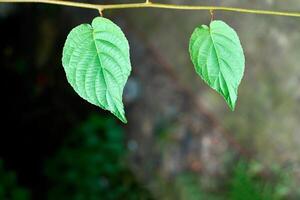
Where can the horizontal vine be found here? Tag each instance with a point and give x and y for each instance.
(149, 4)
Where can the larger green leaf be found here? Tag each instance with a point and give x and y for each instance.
(218, 57)
(97, 64)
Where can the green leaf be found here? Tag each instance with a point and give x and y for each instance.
(218, 58)
(97, 64)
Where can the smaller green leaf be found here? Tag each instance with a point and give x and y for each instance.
(97, 64)
(218, 58)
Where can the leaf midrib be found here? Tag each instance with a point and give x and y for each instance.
(219, 65)
(107, 92)
(101, 67)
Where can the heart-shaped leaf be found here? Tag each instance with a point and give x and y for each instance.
(218, 58)
(97, 64)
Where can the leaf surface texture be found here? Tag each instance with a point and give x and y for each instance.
(97, 64)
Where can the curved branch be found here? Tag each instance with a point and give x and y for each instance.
(56, 2)
(148, 4)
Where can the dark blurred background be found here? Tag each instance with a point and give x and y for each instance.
(181, 142)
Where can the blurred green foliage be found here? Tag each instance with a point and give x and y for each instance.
(244, 187)
(9, 189)
(90, 165)
(242, 184)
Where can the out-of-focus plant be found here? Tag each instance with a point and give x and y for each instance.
(90, 165)
(284, 183)
(243, 186)
(9, 189)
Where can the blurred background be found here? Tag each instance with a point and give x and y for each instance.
(182, 141)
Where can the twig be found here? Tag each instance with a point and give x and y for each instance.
(149, 4)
